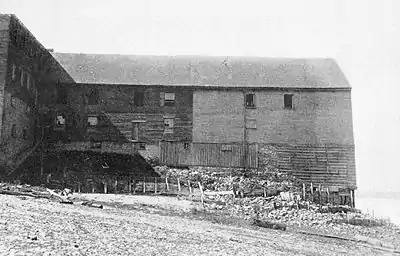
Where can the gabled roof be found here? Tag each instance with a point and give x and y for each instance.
(202, 71)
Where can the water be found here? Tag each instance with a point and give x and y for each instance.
(387, 206)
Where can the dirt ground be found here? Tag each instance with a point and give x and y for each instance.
(40, 227)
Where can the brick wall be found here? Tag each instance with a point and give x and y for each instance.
(316, 117)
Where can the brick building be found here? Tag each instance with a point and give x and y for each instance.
(196, 110)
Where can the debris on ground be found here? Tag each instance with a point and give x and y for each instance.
(32, 191)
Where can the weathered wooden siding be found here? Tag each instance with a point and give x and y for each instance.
(116, 110)
(208, 154)
(317, 117)
(218, 116)
(331, 165)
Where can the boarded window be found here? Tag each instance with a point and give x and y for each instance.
(168, 125)
(14, 130)
(135, 131)
(138, 98)
(60, 120)
(250, 100)
(92, 120)
(288, 101)
(169, 99)
(251, 124)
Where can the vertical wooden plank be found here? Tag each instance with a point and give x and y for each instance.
(116, 186)
(155, 185)
(312, 192)
(144, 185)
(166, 182)
(304, 191)
(79, 187)
(327, 195)
(179, 185)
(105, 187)
(190, 187)
(202, 194)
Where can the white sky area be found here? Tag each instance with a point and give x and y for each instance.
(363, 36)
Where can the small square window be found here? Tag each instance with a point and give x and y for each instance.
(92, 120)
(168, 125)
(186, 145)
(288, 101)
(250, 100)
(169, 98)
(60, 120)
(251, 124)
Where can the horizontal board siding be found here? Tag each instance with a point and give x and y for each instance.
(332, 165)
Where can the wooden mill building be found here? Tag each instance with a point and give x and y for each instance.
(188, 110)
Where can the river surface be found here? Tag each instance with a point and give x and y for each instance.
(384, 207)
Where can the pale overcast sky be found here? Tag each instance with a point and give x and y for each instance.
(363, 36)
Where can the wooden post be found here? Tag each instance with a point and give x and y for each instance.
(304, 191)
(190, 187)
(116, 186)
(134, 187)
(327, 195)
(179, 185)
(320, 194)
(105, 187)
(79, 187)
(351, 198)
(202, 194)
(92, 187)
(312, 192)
(130, 185)
(166, 182)
(144, 185)
(155, 185)
(265, 192)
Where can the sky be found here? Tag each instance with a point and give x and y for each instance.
(363, 36)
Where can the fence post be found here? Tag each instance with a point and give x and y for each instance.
(166, 182)
(144, 185)
(116, 185)
(130, 185)
(202, 194)
(320, 194)
(327, 195)
(92, 187)
(190, 188)
(105, 187)
(304, 191)
(155, 185)
(312, 192)
(79, 187)
(179, 185)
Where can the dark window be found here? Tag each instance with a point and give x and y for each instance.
(93, 97)
(288, 101)
(138, 98)
(14, 131)
(250, 100)
(62, 96)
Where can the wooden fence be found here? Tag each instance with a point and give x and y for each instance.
(179, 154)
